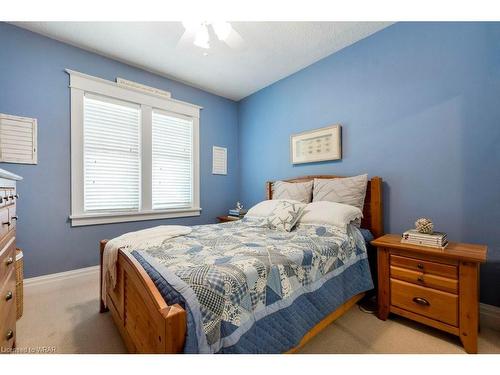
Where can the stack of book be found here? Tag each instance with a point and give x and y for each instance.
(436, 239)
(237, 213)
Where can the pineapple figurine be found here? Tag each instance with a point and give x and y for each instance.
(424, 225)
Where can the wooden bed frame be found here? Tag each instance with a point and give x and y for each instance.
(148, 324)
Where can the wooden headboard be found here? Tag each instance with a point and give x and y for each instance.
(372, 211)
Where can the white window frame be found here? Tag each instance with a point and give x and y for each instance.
(82, 83)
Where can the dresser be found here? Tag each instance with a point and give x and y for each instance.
(8, 220)
(436, 287)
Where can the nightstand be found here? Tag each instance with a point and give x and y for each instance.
(225, 219)
(436, 287)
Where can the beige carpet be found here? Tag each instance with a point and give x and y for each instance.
(63, 316)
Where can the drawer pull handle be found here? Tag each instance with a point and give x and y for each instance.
(9, 261)
(420, 279)
(16, 196)
(9, 295)
(6, 223)
(10, 334)
(421, 301)
(15, 218)
(420, 266)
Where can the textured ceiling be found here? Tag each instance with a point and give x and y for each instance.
(270, 51)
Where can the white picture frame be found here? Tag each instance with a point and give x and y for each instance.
(316, 145)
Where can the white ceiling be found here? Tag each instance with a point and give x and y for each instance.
(271, 50)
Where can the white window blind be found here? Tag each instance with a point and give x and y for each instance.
(111, 132)
(172, 161)
(18, 139)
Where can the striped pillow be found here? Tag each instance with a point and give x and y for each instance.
(349, 190)
(299, 191)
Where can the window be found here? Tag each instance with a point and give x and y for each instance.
(172, 161)
(134, 154)
(111, 163)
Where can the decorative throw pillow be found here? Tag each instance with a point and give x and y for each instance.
(299, 191)
(349, 190)
(285, 215)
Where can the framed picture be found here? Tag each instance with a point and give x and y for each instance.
(316, 145)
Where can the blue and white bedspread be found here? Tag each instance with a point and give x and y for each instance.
(250, 289)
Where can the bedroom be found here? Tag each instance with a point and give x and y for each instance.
(257, 114)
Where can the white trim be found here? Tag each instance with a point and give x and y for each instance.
(83, 84)
(146, 158)
(101, 86)
(121, 217)
(53, 277)
(77, 98)
(489, 315)
(142, 88)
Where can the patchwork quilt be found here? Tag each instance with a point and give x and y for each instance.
(230, 277)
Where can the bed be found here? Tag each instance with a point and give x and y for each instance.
(156, 311)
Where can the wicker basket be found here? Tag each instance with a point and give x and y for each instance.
(19, 282)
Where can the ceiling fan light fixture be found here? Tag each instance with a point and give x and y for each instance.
(192, 26)
(222, 29)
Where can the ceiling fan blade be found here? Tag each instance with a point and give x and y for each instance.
(186, 39)
(234, 40)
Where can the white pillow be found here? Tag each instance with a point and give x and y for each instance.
(330, 213)
(266, 208)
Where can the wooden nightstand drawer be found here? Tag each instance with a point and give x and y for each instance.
(429, 302)
(424, 279)
(426, 266)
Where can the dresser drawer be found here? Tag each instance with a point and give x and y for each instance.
(8, 330)
(432, 303)
(8, 312)
(10, 196)
(4, 220)
(425, 279)
(12, 217)
(7, 257)
(425, 266)
(8, 295)
(3, 200)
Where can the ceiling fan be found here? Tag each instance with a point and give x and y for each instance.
(201, 34)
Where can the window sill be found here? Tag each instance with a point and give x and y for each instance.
(122, 217)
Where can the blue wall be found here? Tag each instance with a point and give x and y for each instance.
(418, 103)
(420, 106)
(33, 84)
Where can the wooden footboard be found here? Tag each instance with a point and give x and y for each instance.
(146, 322)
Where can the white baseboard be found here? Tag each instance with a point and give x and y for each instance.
(489, 316)
(33, 281)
